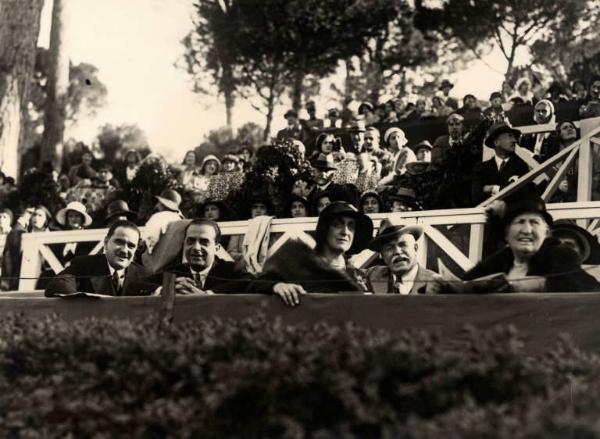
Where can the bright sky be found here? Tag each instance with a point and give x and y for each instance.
(135, 44)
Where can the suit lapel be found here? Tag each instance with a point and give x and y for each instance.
(101, 282)
(420, 282)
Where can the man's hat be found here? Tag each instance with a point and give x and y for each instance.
(75, 206)
(170, 199)
(366, 105)
(290, 113)
(357, 125)
(445, 84)
(496, 130)
(406, 195)
(324, 161)
(333, 112)
(388, 231)
(362, 233)
(119, 208)
(454, 117)
(495, 95)
(425, 144)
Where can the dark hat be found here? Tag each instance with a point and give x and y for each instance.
(519, 206)
(324, 161)
(119, 208)
(495, 95)
(388, 231)
(366, 105)
(170, 199)
(105, 167)
(403, 194)
(310, 104)
(333, 112)
(373, 194)
(290, 113)
(445, 83)
(259, 197)
(357, 125)
(496, 130)
(469, 96)
(425, 144)
(588, 243)
(416, 168)
(301, 199)
(226, 212)
(364, 226)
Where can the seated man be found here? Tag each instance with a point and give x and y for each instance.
(113, 273)
(199, 271)
(401, 274)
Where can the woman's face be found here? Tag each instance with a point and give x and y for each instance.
(38, 219)
(258, 209)
(210, 168)
(322, 203)
(298, 209)
(526, 233)
(524, 88)
(396, 141)
(567, 131)
(327, 145)
(543, 112)
(74, 219)
(341, 234)
(190, 159)
(212, 212)
(228, 166)
(370, 205)
(131, 159)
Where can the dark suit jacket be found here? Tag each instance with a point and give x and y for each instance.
(338, 192)
(223, 278)
(90, 274)
(486, 173)
(11, 259)
(379, 280)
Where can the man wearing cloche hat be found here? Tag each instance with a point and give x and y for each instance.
(397, 244)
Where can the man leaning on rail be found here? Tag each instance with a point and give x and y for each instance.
(113, 273)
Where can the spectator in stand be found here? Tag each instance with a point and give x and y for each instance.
(293, 129)
(370, 202)
(40, 219)
(390, 113)
(299, 207)
(131, 163)
(438, 107)
(423, 151)
(73, 217)
(579, 92)
(469, 108)
(592, 107)
(369, 172)
(83, 170)
(11, 257)
(333, 119)
(397, 244)
(166, 211)
(327, 143)
(322, 200)
(348, 168)
(445, 87)
(119, 210)
(64, 185)
(556, 93)
(454, 139)
(302, 187)
(566, 133)
(418, 111)
(507, 93)
(523, 91)
(532, 261)
(495, 112)
(505, 167)
(367, 111)
(312, 125)
(403, 199)
(190, 170)
(216, 210)
(296, 269)
(396, 142)
(228, 181)
(543, 114)
(6, 219)
(579, 239)
(374, 149)
(105, 178)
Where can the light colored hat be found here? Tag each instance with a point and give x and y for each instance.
(209, 158)
(170, 198)
(391, 131)
(388, 230)
(75, 206)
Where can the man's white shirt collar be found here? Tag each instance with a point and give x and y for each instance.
(408, 280)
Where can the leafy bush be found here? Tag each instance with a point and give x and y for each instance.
(258, 378)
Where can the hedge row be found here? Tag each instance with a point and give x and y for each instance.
(258, 378)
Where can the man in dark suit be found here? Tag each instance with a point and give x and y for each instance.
(199, 271)
(324, 168)
(293, 129)
(401, 274)
(505, 167)
(113, 273)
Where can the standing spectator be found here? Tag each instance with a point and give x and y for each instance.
(454, 139)
(293, 129)
(83, 170)
(523, 91)
(333, 119)
(11, 257)
(469, 108)
(504, 168)
(131, 163)
(312, 125)
(543, 113)
(445, 87)
(495, 112)
(592, 107)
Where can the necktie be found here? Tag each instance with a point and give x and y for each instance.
(116, 283)
(502, 166)
(197, 280)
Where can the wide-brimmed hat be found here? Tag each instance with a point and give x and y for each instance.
(363, 231)
(496, 130)
(207, 159)
(445, 83)
(119, 208)
(357, 125)
(391, 131)
(290, 113)
(170, 198)
(75, 206)
(588, 243)
(299, 198)
(403, 194)
(224, 209)
(366, 105)
(425, 144)
(416, 168)
(519, 206)
(388, 230)
(324, 161)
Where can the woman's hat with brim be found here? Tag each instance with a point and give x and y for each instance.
(496, 130)
(364, 226)
(170, 198)
(75, 206)
(366, 105)
(446, 84)
(373, 194)
(389, 230)
(324, 161)
(589, 245)
(119, 208)
(225, 211)
(207, 159)
(417, 168)
(517, 207)
(425, 144)
(392, 130)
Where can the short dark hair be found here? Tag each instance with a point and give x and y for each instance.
(122, 223)
(205, 222)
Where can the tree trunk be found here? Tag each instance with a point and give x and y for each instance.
(228, 91)
(19, 29)
(347, 84)
(299, 75)
(57, 88)
(270, 110)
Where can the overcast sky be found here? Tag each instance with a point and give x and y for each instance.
(135, 43)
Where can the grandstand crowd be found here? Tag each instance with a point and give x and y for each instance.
(394, 157)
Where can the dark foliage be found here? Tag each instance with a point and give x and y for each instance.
(258, 378)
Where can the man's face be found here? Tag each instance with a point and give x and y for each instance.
(199, 246)
(496, 102)
(506, 142)
(212, 212)
(258, 209)
(455, 128)
(104, 175)
(400, 206)
(121, 246)
(341, 234)
(469, 102)
(291, 120)
(86, 159)
(371, 141)
(228, 166)
(526, 233)
(542, 113)
(358, 139)
(323, 176)
(322, 203)
(400, 254)
(74, 219)
(423, 155)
